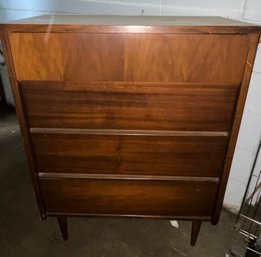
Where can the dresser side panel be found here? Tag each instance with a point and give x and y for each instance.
(22, 120)
(254, 39)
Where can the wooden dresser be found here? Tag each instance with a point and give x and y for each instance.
(130, 116)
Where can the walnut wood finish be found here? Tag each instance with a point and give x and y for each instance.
(129, 154)
(236, 125)
(218, 30)
(129, 105)
(129, 57)
(131, 24)
(104, 52)
(37, 56)
(22, 121)
(183, 61)
(128, 197)
(130, 116)
(51, 175)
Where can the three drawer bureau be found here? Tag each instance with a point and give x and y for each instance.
(130, 116)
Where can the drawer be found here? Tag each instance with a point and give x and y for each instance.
(129, 57)
(167, 106)
(128, 197)
(155, 154)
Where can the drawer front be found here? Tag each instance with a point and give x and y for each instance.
(129, 197)
(129, 105)
(129, 154)
(129, 57)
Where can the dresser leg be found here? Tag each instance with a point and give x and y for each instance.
(62, 221)
(194, 233)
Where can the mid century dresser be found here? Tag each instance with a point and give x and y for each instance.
(130, 116)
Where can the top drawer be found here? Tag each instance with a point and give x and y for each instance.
(129, 57)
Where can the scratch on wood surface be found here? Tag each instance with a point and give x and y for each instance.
(248, 63)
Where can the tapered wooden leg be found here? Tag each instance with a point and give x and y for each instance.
(194, 233)
(62, 221)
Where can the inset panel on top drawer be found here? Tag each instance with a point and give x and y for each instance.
(185, 58)
(129, 105)
(71, 57)
(82, 57)
(37, 56)
(64, 151)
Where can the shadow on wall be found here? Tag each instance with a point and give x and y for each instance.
(5, 80)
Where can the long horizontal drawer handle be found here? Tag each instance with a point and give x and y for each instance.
(128, 132)
(82, 85)
(49, 175)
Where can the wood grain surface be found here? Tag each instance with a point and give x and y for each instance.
(128, 197)
(157, 106)
(235, 128)
(36, 56)
(114, 154)
(130, 120)
(132, 57)
(131, 24)
(185, 58)
(24, 129)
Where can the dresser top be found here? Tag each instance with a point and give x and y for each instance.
(198, 24)
(117, 20)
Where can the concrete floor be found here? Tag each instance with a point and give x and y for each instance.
(22, 233)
